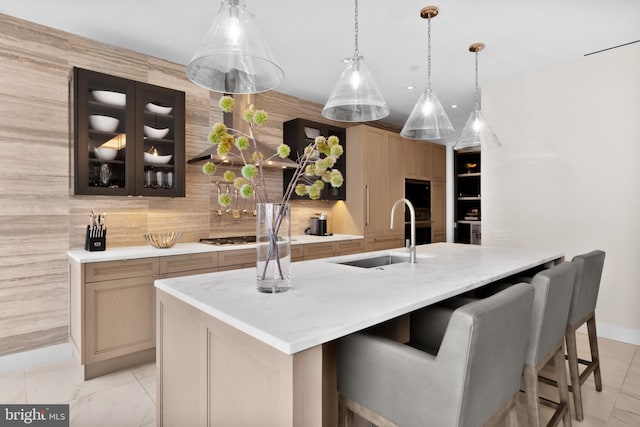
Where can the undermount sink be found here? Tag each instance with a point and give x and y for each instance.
(377, 261)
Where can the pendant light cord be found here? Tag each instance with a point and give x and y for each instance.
(429, 54)
(477, 89)
(356, 53)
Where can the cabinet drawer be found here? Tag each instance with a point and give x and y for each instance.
(189, 273)
(237, 266)
(121, 269)
(181, 263)
(297, 253)
(349, 247)
(382, 243)
(240, 256)
(319, 250)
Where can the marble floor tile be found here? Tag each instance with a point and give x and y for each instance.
(63, 382)
(628, 403)
(12, 388)
(126, 405)
(622, 418)
(143, 371)
(149, 384)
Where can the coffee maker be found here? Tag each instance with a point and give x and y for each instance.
(318, 225)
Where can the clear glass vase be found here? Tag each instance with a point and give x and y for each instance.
(273, 238)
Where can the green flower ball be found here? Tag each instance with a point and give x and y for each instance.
(336, 150)
(229, 176)
(314, 192)
(249, 171)
(247, 115)
(226, 104)
(257, 156)
(224, 199)
(333, 140)
(319, 183)
(260, 117)
(239, 182)
(242, 143)
(336, 178)
(321, 140)
(310, 170)
(209, 168)
(246, 191)
(284, 150)
(301, 189)
(223, 148)
(330, 161)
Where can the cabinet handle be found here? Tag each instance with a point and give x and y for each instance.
(366, 187)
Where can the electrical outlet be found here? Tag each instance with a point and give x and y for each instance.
(502, 235)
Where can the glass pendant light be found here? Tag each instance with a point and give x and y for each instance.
(356, 97)
(428, 120)
(233, 57)
(476, 132)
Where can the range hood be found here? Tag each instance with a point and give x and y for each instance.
(274, 161)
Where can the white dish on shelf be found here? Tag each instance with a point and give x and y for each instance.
(103, 123)
(311, 133)
(157, 160)
(105, 153)
(155, 133)
(158, 109)
(109, 97)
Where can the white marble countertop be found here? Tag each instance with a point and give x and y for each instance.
(147, 251)
(330, 300)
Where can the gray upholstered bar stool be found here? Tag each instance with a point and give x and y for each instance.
(583, 309)
(553, 289)
(471, 378)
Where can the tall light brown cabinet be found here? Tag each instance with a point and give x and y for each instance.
(378, 161)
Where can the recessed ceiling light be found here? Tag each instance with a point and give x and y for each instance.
(411, 87)
(454, 105)
(414, 67)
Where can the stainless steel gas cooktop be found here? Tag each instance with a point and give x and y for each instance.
(235, 240)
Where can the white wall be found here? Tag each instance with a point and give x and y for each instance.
(568, 173)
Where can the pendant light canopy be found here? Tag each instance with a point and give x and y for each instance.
(233, 57)
(356, 97)
(428, 120)
(476, 132)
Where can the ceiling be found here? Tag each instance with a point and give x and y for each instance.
(310, 38)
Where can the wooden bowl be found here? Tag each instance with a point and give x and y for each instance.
(162, 240)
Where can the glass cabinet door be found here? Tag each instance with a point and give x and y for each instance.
(160, 155)
(104, 152)
(129, 137)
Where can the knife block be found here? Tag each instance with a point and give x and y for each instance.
(96, 239)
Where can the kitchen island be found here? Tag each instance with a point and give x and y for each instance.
(229, 355)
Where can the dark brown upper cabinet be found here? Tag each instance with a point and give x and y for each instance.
(298, 134)
(129, 137)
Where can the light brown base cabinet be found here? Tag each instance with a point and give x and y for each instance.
(112, 303)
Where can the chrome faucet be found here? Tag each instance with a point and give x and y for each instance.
(412, 211)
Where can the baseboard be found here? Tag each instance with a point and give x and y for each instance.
(35, 358)
(614, 332)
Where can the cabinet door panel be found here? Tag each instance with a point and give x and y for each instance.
(438, 162)
(438, 212)
(375, 162)
(96, 172)
(120, 317)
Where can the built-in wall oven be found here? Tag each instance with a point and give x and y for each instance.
(419, 194)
